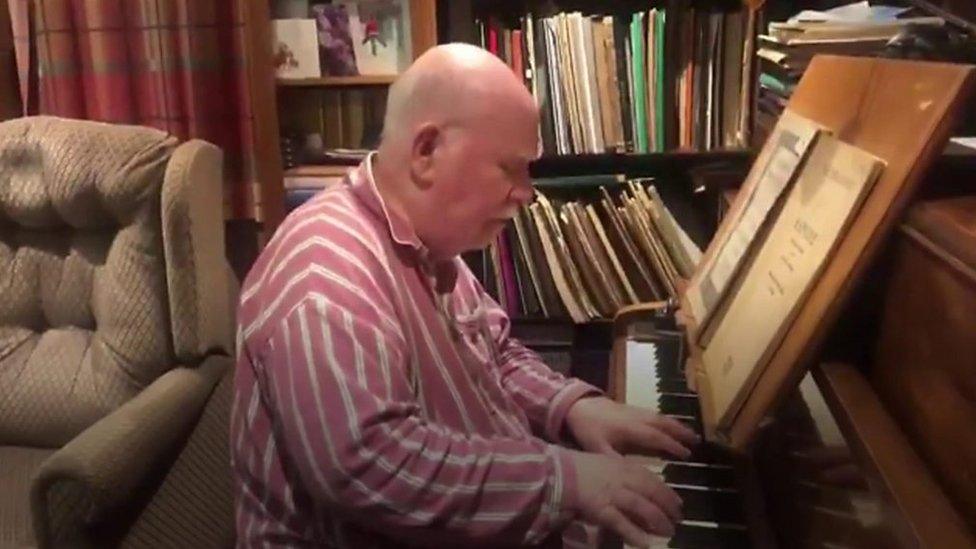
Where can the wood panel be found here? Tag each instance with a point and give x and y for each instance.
(924, 368)
(917, 507)
(269, 193)
(423, 25)
(855, 98)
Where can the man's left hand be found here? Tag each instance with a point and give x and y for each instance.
(601, 425)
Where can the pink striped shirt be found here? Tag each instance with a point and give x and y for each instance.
(379, 399)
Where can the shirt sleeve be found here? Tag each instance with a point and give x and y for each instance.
(340, 391)
(543, 394)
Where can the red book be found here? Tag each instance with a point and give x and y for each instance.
(517, 63)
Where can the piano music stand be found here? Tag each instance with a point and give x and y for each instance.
(899, 111)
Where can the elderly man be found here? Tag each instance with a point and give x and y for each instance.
(379, 398)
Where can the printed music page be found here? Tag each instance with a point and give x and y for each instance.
(791, 140)
(829, 190)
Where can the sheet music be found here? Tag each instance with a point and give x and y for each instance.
(791, 140)
(828, 192)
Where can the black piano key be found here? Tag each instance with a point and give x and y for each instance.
(693, 423)
(709, 453)
(692, 536)
(673, 385)
(666, 368)
(710, 506)
(679, 405)
(714, 477)
(668, 353)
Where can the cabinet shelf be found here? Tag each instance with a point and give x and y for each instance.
(338, 81)
(637, 164)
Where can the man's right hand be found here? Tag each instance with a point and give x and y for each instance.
(622, 495)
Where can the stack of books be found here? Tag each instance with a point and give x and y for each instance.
(615, 243)
(786, 50)
(650, 81)
(303, 182)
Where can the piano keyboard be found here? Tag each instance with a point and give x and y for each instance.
(706, 483)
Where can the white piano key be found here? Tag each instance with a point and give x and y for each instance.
(641, 375)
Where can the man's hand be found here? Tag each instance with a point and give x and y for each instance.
(622, 495)
(601, 425)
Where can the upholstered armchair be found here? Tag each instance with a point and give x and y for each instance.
(116, 338)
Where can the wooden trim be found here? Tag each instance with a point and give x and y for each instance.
(908, 144)
(423, 25)
(917, 507)
(264, 107)
(338, 81)
(630, 313)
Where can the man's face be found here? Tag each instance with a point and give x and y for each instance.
(481, 179)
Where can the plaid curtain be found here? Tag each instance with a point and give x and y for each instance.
(176, 65)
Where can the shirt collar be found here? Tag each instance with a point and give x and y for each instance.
(402, 232)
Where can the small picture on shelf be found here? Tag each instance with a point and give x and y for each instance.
(335, 40)
(295, 48)
(379, 35)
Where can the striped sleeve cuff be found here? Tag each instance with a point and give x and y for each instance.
(561, 495)
(574, 390)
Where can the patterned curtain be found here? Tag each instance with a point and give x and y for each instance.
(177, 65)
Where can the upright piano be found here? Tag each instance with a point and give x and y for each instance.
(874, 448)
(875, 445)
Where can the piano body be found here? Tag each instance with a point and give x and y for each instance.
(873, 446)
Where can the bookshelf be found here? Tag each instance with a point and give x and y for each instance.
(685, 145)
(278, 103)
(625, 76)
(663, 163)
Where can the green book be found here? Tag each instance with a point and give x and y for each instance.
(637, 39)
(659, 114)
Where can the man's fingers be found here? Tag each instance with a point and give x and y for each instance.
(645, 513)
(614, 519)
(650, 486)
(650, 439)
(677, 430)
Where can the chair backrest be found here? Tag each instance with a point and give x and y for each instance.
(102, 259)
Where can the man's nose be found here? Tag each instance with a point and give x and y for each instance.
(522, 194)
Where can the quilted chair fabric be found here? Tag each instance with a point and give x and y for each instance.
(83, 316)
(112, 274)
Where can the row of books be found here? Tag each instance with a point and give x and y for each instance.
(586, 258)
(303, 182)
(330, 118)
(643, 82)
(787, 48)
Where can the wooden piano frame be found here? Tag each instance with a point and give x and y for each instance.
(901, 112)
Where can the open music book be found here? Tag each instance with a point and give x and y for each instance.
(828, 192)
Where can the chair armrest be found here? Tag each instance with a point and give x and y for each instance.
(102, 469)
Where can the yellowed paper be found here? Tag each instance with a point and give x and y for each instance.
(789, 144)
(827, 194)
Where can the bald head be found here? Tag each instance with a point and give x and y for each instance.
(460, 132)
(453, 84)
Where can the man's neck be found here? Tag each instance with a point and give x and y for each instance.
(388, 188)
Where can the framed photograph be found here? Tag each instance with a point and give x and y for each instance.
(296, 50)
(380, 33)
(338, 57)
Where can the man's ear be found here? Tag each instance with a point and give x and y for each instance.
(425, 143)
